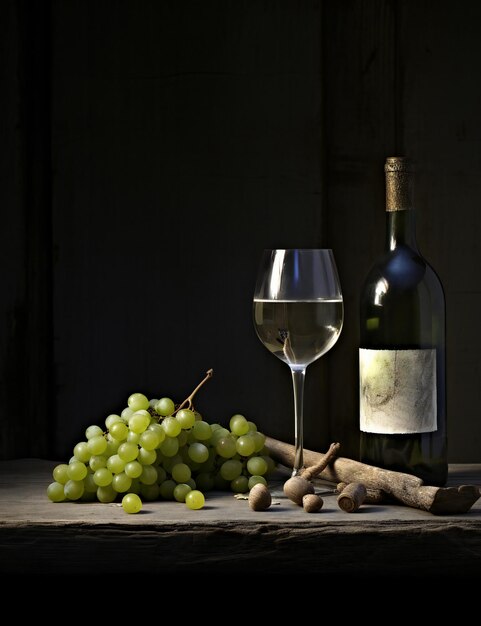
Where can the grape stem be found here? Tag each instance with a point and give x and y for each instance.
(187, 403)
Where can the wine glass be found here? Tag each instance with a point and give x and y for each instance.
(298, 315)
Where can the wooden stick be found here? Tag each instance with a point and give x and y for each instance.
(404, 488)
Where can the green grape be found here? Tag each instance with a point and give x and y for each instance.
(73, 489)
(181, 473)
(81, 452)
(139, 422)
(157, 428)
(93, 431)
(219, 433)
(115, 464)
(150, 492)
(89, 483)
(198, 416)
(121, 482)
(73, 459)
(153, 402)
(226, 447)
(131, 503)
(138, 401)
(77, 471)
(133, 469)
(245, 445)
(112, 448)
(133, 437)
(119, 431)
(169, 447)
(252, 426)
(165, 406)
(106, 494)
(238, 425)
(184, 453)
(240, 484)
(103, 477)
(256, 466)
(97, 445)
(183, 437)
(149, 475)
(215, 426)
(180, 491)
(88, 496)
(55, 492)
(167, 489)
(230, 469)
(161, 475)
(149, 440)
(135, 487)
(128, 452)
(198, 452)
(186, 418)
(191, 482)
(205, 481)
(147, 457)
(169, 462)
(195, 500)
(96, 462)
(60, 473)
(253, 480)
(210, 464)
(112, 419)
(171, 426)
(233, 418)
(126, 413)
(202, 431)
(271, 465)
(259, 441)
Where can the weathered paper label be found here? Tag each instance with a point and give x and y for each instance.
(397, 391)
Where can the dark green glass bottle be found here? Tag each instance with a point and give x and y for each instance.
(402, 355)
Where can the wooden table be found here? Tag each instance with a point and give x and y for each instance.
(37, 536)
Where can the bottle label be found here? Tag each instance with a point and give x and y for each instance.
(397, 391)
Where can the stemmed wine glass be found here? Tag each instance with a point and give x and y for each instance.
(298, 314)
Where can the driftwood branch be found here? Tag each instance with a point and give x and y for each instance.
(404, 488)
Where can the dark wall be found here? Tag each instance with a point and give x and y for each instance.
(152, 150)
(402, 77)
(186, 138)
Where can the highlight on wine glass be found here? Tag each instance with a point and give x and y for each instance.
(298, 315)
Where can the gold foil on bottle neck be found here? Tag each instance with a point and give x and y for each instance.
(399, 183)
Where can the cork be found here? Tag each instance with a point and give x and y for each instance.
(399, 183)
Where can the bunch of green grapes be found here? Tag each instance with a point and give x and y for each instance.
(154, 451)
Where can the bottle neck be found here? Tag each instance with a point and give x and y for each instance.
(401, 229)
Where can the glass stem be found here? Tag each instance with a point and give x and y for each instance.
(298, 377)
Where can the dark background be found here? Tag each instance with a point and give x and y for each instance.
(151, 150)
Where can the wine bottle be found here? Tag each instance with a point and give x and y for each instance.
(402, 347)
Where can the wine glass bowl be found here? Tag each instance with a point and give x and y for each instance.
(298, 315)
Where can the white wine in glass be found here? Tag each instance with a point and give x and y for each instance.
(298, 315)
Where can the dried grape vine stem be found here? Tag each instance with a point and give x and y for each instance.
(187, 403)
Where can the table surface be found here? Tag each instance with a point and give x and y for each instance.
(39, 536)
